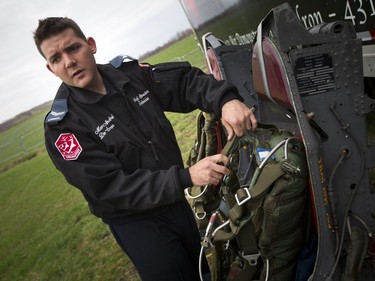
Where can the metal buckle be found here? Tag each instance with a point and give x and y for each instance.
(248, 197)
(251, 259)
(200, 216)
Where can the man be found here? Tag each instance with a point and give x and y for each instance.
(107, 133)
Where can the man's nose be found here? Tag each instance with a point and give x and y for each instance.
(69, 61)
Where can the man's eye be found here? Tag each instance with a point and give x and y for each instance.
(75, 47)
(55, 60)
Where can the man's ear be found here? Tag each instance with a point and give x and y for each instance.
(92, 44)
(49, 68)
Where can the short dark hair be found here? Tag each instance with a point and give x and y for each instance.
(52, 26)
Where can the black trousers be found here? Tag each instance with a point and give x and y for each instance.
(165, 247)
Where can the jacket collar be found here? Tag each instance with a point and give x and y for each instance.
(115, 77)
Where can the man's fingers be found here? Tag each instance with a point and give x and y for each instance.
(228, 128)
(219, 160)
(209, 170)
(254, 122)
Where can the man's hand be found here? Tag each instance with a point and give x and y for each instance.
(209, 170)
(237, 118)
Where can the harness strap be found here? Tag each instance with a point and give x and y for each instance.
(241, 226)
(230, 146)
(269, 174)
(247, 273)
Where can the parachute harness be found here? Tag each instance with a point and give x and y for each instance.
(239, 217)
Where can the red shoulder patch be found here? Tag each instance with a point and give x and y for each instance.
(68, 146)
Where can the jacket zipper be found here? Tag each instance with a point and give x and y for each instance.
(153, 150)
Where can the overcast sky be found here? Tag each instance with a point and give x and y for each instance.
(130, 27)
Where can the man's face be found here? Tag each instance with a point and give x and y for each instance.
(71, 59)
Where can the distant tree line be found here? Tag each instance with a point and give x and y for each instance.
(179, 35)
(24, 116)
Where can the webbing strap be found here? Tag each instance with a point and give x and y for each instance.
(198, 204)
(230, 146)
(241, 226)
(265, 177)
(247, 273)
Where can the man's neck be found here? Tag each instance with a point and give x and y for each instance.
(98, 86)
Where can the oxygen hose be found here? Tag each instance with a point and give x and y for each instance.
(345, 127)
(195, 196)
(264, 162)
(356, 254)
(332, 197)
(200, 263)
(206, 241)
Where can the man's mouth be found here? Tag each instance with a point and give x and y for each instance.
(77, 72)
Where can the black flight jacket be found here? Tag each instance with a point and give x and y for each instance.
(119, 149)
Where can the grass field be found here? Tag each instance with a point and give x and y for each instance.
(22, 140)
(186, 49)
(47, 231)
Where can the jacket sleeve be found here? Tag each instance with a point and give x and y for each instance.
(182, 88)
(102, 178)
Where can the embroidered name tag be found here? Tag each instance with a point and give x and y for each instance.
(141, 99)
